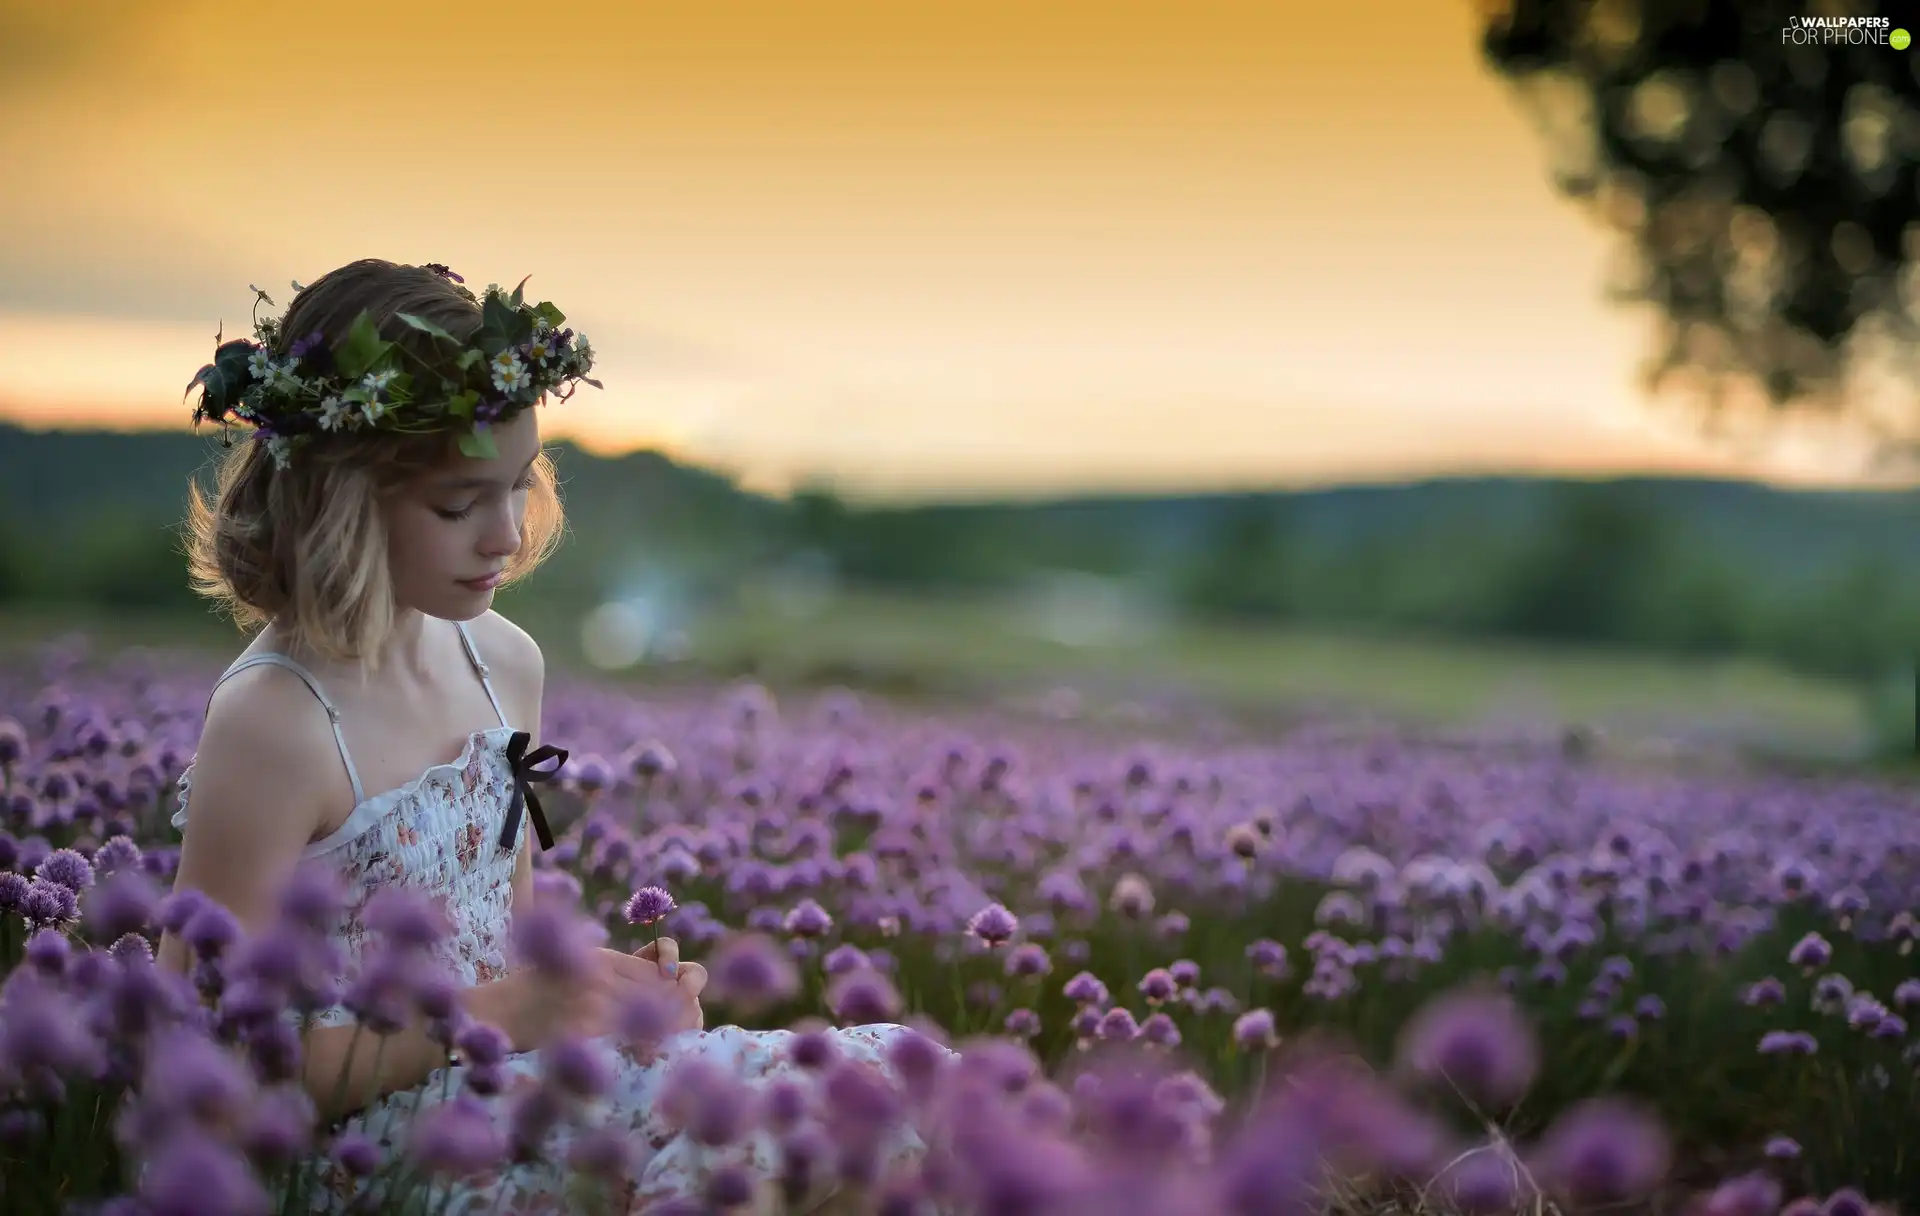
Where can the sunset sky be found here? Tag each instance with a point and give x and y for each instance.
(920, 250)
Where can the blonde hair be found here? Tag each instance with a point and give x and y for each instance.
(306, 547)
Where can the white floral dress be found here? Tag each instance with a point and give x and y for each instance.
(439, 834)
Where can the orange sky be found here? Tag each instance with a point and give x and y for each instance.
(992, 247)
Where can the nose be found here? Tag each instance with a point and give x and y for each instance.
(502, 537)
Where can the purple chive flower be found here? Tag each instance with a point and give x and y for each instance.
(123, 903)
(13, 893)
(1846, 1202)
(728, 1187)
(407, 919)
(13, 742)
(750, 970)
(993, 924)
(783, 1104)
(812, 1047)
(1811, 952)
(357, 1153)
(44, 1030)
(1157, 986)
(1604, 1150)
(1086, 989)
(1476, 1042)
(1085, 1021)
(189, 1075)
(1160, 1030)
(1783, 1148)
(481, 1043)
(1132, 897)
(1185, 972)
(1023, 1023)
(457, 1137)
(1905, 993)
(118, 853)
(1747, 1195)
(711, 1104)
(1118, 1026)
(279, 1127)
(49, 903)
(1764, 992)
(844, 958)
(1028, 960)
(48, 952)
(555, 941)
(131, 948)
(863, 997)
(1650, 1008)
(194, 1175)
(1788, 1042)
(808, 919)
(1254, 1030)
(647, 905)
(577, 1068)
(1268, 956)
(210, 930)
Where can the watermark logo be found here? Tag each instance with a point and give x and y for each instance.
(1844, 31)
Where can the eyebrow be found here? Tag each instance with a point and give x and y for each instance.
(475, 483)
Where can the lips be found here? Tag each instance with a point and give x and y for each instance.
(483, 583)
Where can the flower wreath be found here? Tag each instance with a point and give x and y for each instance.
(512, 361)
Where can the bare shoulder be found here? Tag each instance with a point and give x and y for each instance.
(514, 657)
(264, 773)
(265, 727)
(508, 648)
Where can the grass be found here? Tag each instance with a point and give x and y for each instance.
(966, 648)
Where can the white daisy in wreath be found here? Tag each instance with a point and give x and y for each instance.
(509, 374)
(334, 413)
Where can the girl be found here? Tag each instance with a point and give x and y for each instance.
(382, 718)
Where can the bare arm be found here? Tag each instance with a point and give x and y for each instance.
(263, 773)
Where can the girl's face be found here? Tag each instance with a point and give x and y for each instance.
(454, 529)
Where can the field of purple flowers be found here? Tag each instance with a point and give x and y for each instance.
(1232, 977)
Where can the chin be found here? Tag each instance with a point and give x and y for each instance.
(462, 605)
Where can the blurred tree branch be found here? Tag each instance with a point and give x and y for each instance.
(1761, 170)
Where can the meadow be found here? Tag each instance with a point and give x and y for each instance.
(1192, 956)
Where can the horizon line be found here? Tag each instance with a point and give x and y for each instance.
(988, 494)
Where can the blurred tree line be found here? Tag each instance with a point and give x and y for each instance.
(1825, 583)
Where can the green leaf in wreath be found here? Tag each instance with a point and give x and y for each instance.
(479, 445)
(427, 327)
(496, 317)
(462, 403)
(548, 313)
(361, 349)
(469, 358)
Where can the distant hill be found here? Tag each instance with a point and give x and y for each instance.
(53, 483)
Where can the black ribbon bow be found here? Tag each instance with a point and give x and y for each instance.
(524, 777)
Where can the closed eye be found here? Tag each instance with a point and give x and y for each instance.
(519, 487)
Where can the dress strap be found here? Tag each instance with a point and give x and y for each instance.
(480, 666)
(333, 713)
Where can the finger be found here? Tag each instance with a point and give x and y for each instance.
(693, 978)
(624, 969)
(667, 953)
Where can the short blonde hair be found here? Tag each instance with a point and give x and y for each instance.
(306, 546)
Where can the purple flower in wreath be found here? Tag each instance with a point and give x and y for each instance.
(443, 272)
(313, 350)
